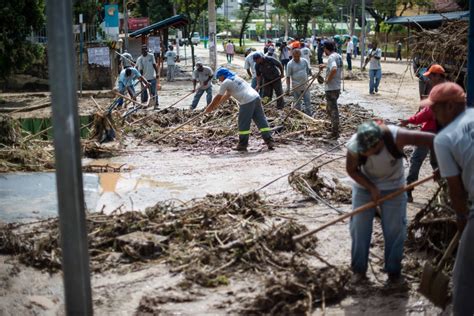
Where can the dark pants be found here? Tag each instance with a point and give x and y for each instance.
(416, 161)
(399, 55)
(332, 110)
(349, 61)
(248, 112)
(268, 91)
(320, 58)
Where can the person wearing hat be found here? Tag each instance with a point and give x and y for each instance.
(435, 76)
(271, 70)
(127, 60)
(171, 59)
(332, 85)
(250, 107)
(455, 154)
(146, 64)
(298, 70)
(375, 162)
(204, 75)
(271, 52)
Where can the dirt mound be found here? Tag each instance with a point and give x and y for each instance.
(316, 185)
(299, 291)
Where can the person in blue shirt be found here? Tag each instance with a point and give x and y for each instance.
(126, 81)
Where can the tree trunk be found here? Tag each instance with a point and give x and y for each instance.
(244, 24)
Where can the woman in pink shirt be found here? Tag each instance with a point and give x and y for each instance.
(230, 51)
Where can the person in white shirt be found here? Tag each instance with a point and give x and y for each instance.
(375, 68)
(250, 107)
(146, 64)
(349, 52)
(306, 53)
(171, 59)
(203, 75)
(249, 66)
(298, 71)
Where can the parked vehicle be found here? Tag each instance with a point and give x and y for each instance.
(195, 39)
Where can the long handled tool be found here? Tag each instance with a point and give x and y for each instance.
(362, 208)
(434, 283)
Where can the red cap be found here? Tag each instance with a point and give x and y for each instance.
(444, 92)
(434, 69)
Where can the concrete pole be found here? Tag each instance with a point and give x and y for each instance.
(212, 34)
(286, 26)
(362, 36)
(67, 149)
(265, 20)
(125, 23)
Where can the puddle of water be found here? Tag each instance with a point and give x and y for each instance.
(30, 196)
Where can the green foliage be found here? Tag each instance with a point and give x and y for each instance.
(89, 10)
(18, 19)
(156, 10)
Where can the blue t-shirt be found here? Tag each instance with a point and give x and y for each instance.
(125, 81)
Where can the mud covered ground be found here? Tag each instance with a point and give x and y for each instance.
(186, 168)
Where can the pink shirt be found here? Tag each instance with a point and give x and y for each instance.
(229, 48)
(426, 118)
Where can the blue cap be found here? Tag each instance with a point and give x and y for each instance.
(225, 72)
(257, 55)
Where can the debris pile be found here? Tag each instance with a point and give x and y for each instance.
(434, 226)
(446, 45)
(320, 186)
(299, 291)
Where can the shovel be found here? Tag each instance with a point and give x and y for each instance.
(434, 283)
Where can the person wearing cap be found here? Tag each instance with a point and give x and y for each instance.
(455, 155)
(332, 84)
(375, 68)
(249, 66)
(127, 60)
(435, 76)
(250, 107)
(375, 162)
(146, 64)
(298, 70)
(271, 70)
(171, 59)
(204, 75)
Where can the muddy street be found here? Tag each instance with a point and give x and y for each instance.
(220, 243)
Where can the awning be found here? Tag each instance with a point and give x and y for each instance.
(174, 21)
(429, 20)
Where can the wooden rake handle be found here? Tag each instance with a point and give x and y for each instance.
(362, 208)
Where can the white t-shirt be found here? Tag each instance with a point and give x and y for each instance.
(145, 64)
(454, 148)
(375, 63)
(239, 89)
(170, 57)
(334, 61)
(250, 64)
(350, 47)
(203, 76)
(383, 170)
(298, 72)
(306, 54)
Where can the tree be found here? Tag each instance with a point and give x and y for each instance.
(248, 6)
(19, 18)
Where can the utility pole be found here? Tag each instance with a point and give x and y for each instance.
(265, 20)
(211, 4)
(125, 23)
(67, 152)
(362, 36)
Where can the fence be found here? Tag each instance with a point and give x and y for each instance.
(91, 34)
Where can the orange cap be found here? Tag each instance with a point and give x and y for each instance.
(434, 69)
(444, 92)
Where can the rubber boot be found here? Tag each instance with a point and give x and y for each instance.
(243, 143)
(270, 143)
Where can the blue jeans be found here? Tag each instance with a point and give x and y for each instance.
(463, 278)
(394, 227)
(416, 161)
(152, 83)
(122, 90)
(349, 61)
(254, 82)
(374, 80)
(306, 100)
(199, 93)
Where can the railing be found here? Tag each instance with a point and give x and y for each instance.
(91, 34)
